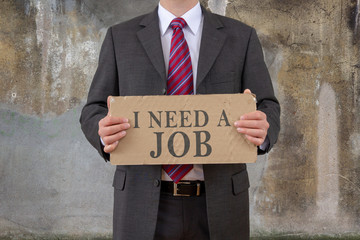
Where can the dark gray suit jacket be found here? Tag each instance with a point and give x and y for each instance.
(131, 63)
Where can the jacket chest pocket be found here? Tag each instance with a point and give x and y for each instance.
(221, 82)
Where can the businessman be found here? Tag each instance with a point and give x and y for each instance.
(180, 48)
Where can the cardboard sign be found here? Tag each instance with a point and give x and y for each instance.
(181, 129)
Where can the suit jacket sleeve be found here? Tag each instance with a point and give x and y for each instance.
(104, 84)
(256, 77)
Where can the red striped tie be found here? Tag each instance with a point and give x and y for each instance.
(180, 82)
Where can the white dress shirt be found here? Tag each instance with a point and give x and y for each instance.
(192, 32)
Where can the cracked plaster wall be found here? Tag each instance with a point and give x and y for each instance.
(50, 177)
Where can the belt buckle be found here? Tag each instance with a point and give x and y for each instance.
(175, 193)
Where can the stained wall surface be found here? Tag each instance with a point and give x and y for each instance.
(53, 182)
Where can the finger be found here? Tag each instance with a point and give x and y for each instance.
(247, 91)
(253, 124)
(110, 148)
(111, 139)
(254, 140)
(256, 115)
(108, 121)
(257, 133)
(113, 129)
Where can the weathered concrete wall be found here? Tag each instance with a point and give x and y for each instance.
(312, 179)
(52, 181)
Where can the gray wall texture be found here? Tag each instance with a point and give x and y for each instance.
(53, 182)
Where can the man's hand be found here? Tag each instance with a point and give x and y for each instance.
(112, 129)
(254, 125)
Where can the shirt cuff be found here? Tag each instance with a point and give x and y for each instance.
(265, 144)
(102, 142)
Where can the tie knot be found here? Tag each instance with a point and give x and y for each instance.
(178, 23)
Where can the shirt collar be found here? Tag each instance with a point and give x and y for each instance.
(192, 17)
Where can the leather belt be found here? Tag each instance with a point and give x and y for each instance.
(183, 188)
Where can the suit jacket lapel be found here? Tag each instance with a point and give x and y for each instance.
(212, 41)
(149, 37)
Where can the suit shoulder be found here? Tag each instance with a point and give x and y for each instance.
(234, 24)
(131, 24)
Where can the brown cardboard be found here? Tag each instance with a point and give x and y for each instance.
(178, 121)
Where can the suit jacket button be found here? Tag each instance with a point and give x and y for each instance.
(156, 182)
(164, 91)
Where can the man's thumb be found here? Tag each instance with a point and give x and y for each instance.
(108, 103)
(247, 91)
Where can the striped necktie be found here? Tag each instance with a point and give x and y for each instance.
(180, 82)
